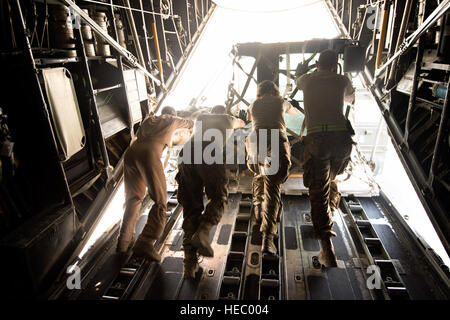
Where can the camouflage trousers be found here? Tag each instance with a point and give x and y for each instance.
(267, 188)
(326, 156)
(192, 180)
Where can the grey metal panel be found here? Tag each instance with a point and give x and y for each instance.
(290, 238)
(340, 285)
(224, 235)
(177, 242)
(136, 92)
(355, 284)
(318, 288)
(167, 280)
(65, 111)
(308, 238)
(339, 244)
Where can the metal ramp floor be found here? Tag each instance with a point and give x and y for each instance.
(238, 271)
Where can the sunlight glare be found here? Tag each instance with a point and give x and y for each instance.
(205, 79)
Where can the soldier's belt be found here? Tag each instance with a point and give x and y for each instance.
(327, 128)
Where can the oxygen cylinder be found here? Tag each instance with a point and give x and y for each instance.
(61, 30)
(120, 31)
(101, 46)
(86, 31)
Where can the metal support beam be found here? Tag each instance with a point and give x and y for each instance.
(92, 102)
(443, 126)
(134, 32)
(412, 97)
(247, 83)
(401, 35)
(409, 42)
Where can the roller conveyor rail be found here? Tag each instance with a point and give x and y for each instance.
(392, 286)
(134, 268)
(238, 270)
(232, 285)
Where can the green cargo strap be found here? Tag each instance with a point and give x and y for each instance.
(327, 128)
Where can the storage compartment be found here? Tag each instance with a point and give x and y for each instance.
(36, 251)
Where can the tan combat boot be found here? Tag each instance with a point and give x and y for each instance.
(327, 256)
(123, 244)
(268, 246)
(190, 263)
(200, 239)
(144, 248)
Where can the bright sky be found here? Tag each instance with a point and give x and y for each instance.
(210, 69)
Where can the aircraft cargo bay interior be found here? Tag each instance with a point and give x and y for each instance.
(225, 150)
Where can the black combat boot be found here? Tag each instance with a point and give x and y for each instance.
(268, 246)
(327, 256)
(144, 248)
(200, 239)
(190, 262)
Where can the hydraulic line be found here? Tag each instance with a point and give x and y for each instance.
(158, 53)
(384, 25)
(401, 36)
